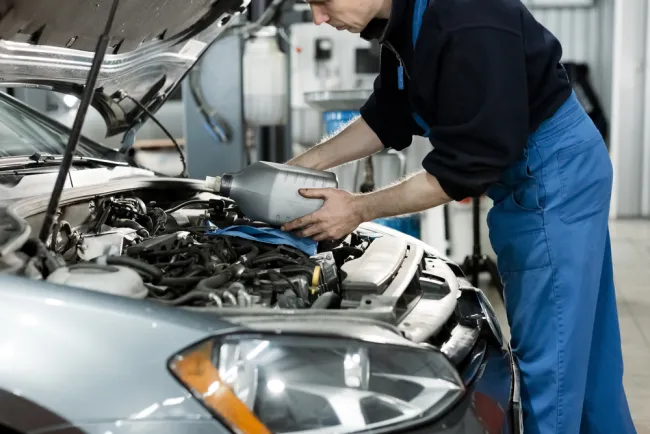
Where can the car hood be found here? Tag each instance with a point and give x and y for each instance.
(153, 44)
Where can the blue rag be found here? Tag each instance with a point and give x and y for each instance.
(269, 236)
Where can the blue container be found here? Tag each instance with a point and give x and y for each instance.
(335, 120)
(409, 225)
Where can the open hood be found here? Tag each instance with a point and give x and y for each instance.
(153, 44)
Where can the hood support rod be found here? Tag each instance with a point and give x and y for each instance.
(75, 134)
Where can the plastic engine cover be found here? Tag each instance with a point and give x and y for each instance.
(110, 279)
(372, 272)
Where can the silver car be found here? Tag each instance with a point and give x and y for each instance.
(135, 315)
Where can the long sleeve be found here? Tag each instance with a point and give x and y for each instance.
(481, 124)
(387, 112)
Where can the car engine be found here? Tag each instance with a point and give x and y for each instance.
(174, 256)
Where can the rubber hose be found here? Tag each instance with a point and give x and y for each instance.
(211, 283)
(154, 273)
(179, 263)
(196, 272)
(305, 269)
(190, 296)
(250, 255)
(277, 257)
(180, 281)
(131, 224)
(349, 251)
(328, 300)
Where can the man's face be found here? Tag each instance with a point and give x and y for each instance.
(350, 15)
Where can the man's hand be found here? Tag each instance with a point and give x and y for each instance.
(342, 212)
(337, 218)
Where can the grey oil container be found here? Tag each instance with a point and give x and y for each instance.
(268, 192)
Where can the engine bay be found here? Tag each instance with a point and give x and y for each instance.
(175, 255)
(162, 241)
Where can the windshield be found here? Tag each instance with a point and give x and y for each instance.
(23, 132)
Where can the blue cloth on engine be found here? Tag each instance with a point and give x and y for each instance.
(269, 236)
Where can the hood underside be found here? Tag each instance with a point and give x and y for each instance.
(153, 44)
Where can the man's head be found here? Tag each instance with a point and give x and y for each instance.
(350, 15)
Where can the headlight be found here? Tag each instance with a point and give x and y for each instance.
(259, 383)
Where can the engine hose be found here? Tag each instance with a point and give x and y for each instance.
(303, 269)
(188, 203)
(190, 296)
(158, 293)
(217, 300)
(276, 257)
(349, 251)
(211, 283)
(188, 250)
(328, 300)
(231, 298)
(244, 298)
(180, 281)
(179, 263)
(148, 223)
(246, 222)
(250, 255)
(196, 272)
(126, 223)
(153, 272)
(281, 277)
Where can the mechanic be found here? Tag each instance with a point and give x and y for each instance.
(482, 80)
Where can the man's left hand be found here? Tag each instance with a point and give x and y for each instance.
(337, 218)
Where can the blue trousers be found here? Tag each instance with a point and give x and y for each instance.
(549, 229)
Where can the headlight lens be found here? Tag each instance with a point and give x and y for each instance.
(288, 384)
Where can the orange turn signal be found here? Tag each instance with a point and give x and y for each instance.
(197, 372)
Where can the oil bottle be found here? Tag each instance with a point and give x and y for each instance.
(268, 192)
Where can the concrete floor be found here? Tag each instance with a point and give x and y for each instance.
(631, 251)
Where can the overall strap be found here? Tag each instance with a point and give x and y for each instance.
(418, 13)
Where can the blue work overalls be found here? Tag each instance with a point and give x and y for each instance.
(549, 229)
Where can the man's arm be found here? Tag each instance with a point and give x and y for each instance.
(356, 141)
(342, 212)
(416, 193)
(385, 121)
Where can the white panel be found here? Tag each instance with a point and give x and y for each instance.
(645, 145)
(628, 107)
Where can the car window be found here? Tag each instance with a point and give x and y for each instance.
(22, 133)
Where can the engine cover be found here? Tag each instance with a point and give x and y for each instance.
(372, 272)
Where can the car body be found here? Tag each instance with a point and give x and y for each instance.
(375, 333)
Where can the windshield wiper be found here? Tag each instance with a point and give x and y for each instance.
(41, 158)
(75, 134)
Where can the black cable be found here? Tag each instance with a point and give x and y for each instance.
(217, 124)
(282, 277)
(261, 260)
(188, 203)
(153, 118)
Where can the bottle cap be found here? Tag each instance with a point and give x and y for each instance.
(213, 183)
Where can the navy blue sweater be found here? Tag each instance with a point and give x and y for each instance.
(484, 75)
